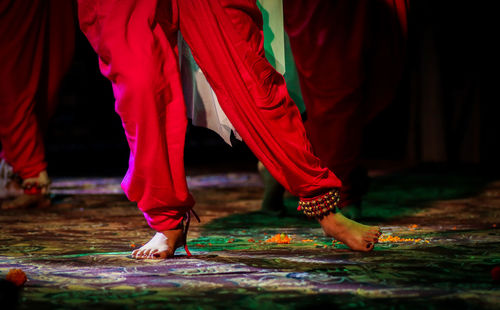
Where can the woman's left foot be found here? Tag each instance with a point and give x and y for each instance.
(356, 236)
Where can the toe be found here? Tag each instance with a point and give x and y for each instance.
(140, 254)
(152, 253)
(369, 246)
(134, 253)
(374, 233)
(161, 255)
(370, 237)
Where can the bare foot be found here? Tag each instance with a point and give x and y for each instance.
(33, 192)
(161, 246)
(27, 201)
(357, 236)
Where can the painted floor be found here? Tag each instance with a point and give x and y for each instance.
(440, 243)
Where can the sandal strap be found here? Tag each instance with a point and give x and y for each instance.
(33, 188)
(187, 220)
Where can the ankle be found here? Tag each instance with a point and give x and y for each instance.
(174, 237)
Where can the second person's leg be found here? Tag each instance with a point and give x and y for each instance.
(37, 48)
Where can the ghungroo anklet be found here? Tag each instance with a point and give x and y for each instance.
(320, 206)
(35, 188)
(37, 185)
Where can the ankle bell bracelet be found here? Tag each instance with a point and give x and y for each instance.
(34, 188)
(321, 205)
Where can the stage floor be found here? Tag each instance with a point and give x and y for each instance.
(439, 246)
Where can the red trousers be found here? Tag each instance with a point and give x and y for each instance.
(137, 48)
(350, 58)
(37, 42)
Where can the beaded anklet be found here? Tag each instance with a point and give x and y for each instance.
(320, 206)
(37, 185)
(35, 188)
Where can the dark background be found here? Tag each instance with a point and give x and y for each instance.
(444, 111)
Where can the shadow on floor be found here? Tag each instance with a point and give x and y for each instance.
(389, 198)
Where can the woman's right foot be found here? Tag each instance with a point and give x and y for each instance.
(161, 246)
(356, 236)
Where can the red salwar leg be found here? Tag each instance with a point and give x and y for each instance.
(139, 57)
(225, 37)
(23, 33)
(226, 40)
(349, 59)
(37, 47)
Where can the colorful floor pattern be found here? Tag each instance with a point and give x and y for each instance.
(439, 246)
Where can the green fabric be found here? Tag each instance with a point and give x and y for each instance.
(278, 50)
(292, 77)
(274, 32)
